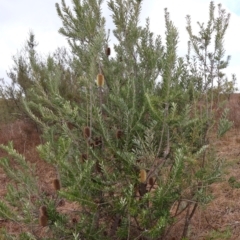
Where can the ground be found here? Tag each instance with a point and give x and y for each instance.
(219, 219)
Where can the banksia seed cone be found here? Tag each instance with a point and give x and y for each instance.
(43, 220)
(135, 189)
(100, 80)
(61, 203)
(84, 157)
(98, 167)
(142, 189)
(143, 176)
(98, 141)
(70, 125)
(86, 132)
(91, 143)
(56, 184)
(111, 193)
(119, 134)
(43, 210)
(108, 51)
(151, 181)
(74, 220)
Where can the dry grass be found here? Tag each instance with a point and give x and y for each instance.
(218, 220)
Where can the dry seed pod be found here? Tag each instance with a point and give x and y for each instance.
(142, 189)
(135, 189)
(70, 125)
(43, 220)
(108, 51)
(98, 167)
(111, 193)
(56, 184)
(98, 142)
(84, 157)
(100, 80)
(74, 220)
(151, 181)
(61, 203)
(86, 132)
(43, 210)
(119, 134)
(91, 143)
(143, 176)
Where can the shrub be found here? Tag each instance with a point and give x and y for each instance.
(131, 153)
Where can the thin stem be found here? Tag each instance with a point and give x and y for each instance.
(188, 219)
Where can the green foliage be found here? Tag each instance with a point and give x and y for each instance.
(225, 234)
(103, 140)
(233, 182)
(224, 124)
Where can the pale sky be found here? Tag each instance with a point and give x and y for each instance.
(17, 18)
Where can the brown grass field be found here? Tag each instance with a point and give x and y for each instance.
(220, 219)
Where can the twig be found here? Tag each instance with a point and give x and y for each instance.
(216, 229)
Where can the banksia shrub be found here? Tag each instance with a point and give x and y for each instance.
(150, 101)
(100, 80)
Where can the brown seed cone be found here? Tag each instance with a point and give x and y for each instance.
(98, 167)
(43, 220)
(142, 189)
(86, 132)
(111, 193)
(61, 203)
(91, 143)
(74, 220)
(108, 51)
(119, 134)
(56, 184)
(135, 189)
(70, 125)
(151, 181)
(100, 80)
(98, 141)
(84, 157)
(43, 210)
(143, 176)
